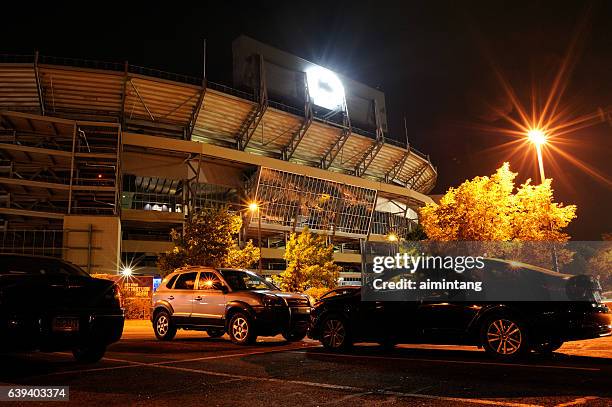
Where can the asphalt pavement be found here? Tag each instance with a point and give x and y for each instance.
(194, 370)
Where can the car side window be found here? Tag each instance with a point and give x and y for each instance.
(186, 281)
(171, 281)
(209, 281)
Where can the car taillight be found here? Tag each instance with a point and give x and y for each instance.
(117, 295)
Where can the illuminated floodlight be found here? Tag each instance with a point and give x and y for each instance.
(325, 88)
(536, 136)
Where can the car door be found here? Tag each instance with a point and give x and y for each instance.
(182, 295)
(444, 315)
(209, 301)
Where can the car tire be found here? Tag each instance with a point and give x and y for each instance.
(241, 329)
(215, 333)
(504, 337)
(89, 353)
(547, 348)
(335, 333)
(164, 328)
(294, 336)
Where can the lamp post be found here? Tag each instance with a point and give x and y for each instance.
(255, 207)
(537, 137)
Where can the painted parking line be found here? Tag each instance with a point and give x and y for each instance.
(578, 401)
(360, 391)
(233, 355)
(466, 362)
(353, 389)
(132, 363)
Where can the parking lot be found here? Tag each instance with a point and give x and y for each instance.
(197, 370)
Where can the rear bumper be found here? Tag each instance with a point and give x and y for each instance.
(36, 331)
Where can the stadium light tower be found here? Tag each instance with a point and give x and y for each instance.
(538, 138)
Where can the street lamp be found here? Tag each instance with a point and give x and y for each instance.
(255, 207)
(126, 271)
(538, 138)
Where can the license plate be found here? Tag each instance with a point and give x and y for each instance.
(62, 324)
(301, 310)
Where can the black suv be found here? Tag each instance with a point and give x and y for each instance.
(50, 305)
(504, 329)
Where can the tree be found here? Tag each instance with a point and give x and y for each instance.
(488, 209)
(208, 240)
(600, 264)
(310, 263)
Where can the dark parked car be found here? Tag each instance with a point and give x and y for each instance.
(50, 305)
(505, 329)
(239, 302)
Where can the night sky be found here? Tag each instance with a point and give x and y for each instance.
(433, 59)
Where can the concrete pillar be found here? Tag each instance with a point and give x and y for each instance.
(93, 242)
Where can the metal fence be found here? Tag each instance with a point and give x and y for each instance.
(296, 201)
(35, 242)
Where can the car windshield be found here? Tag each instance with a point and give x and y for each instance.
(246, 280)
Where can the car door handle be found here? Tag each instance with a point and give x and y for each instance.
(198, 298)
(171, 297)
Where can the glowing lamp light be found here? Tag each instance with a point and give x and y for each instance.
(325, 88)
(126, 271)
(392, 237)
(536, 136)
(253, 206)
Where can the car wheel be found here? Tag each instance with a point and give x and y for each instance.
(335, 334)
(504, 337)
(89, 353)
(547, 348)
(294, 336)
(215, 333)
(241, 330)
(163, 326)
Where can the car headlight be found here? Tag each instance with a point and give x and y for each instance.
(272, 301)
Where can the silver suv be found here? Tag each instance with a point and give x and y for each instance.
(239, 302)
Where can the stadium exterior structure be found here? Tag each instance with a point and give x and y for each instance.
(99, 161)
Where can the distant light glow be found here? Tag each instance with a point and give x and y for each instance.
(126, 271)
(253, 206)
(537, 137)
(325, 88)
(392, 237)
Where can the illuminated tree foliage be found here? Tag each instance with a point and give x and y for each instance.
(489, 209)
(600, 264)
(310, 263)
(208, 240)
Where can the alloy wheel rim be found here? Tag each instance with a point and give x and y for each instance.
(240, 328)
(162, 325)
(334, 333)
(504, 336)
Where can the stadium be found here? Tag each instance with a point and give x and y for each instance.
(99, 161)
